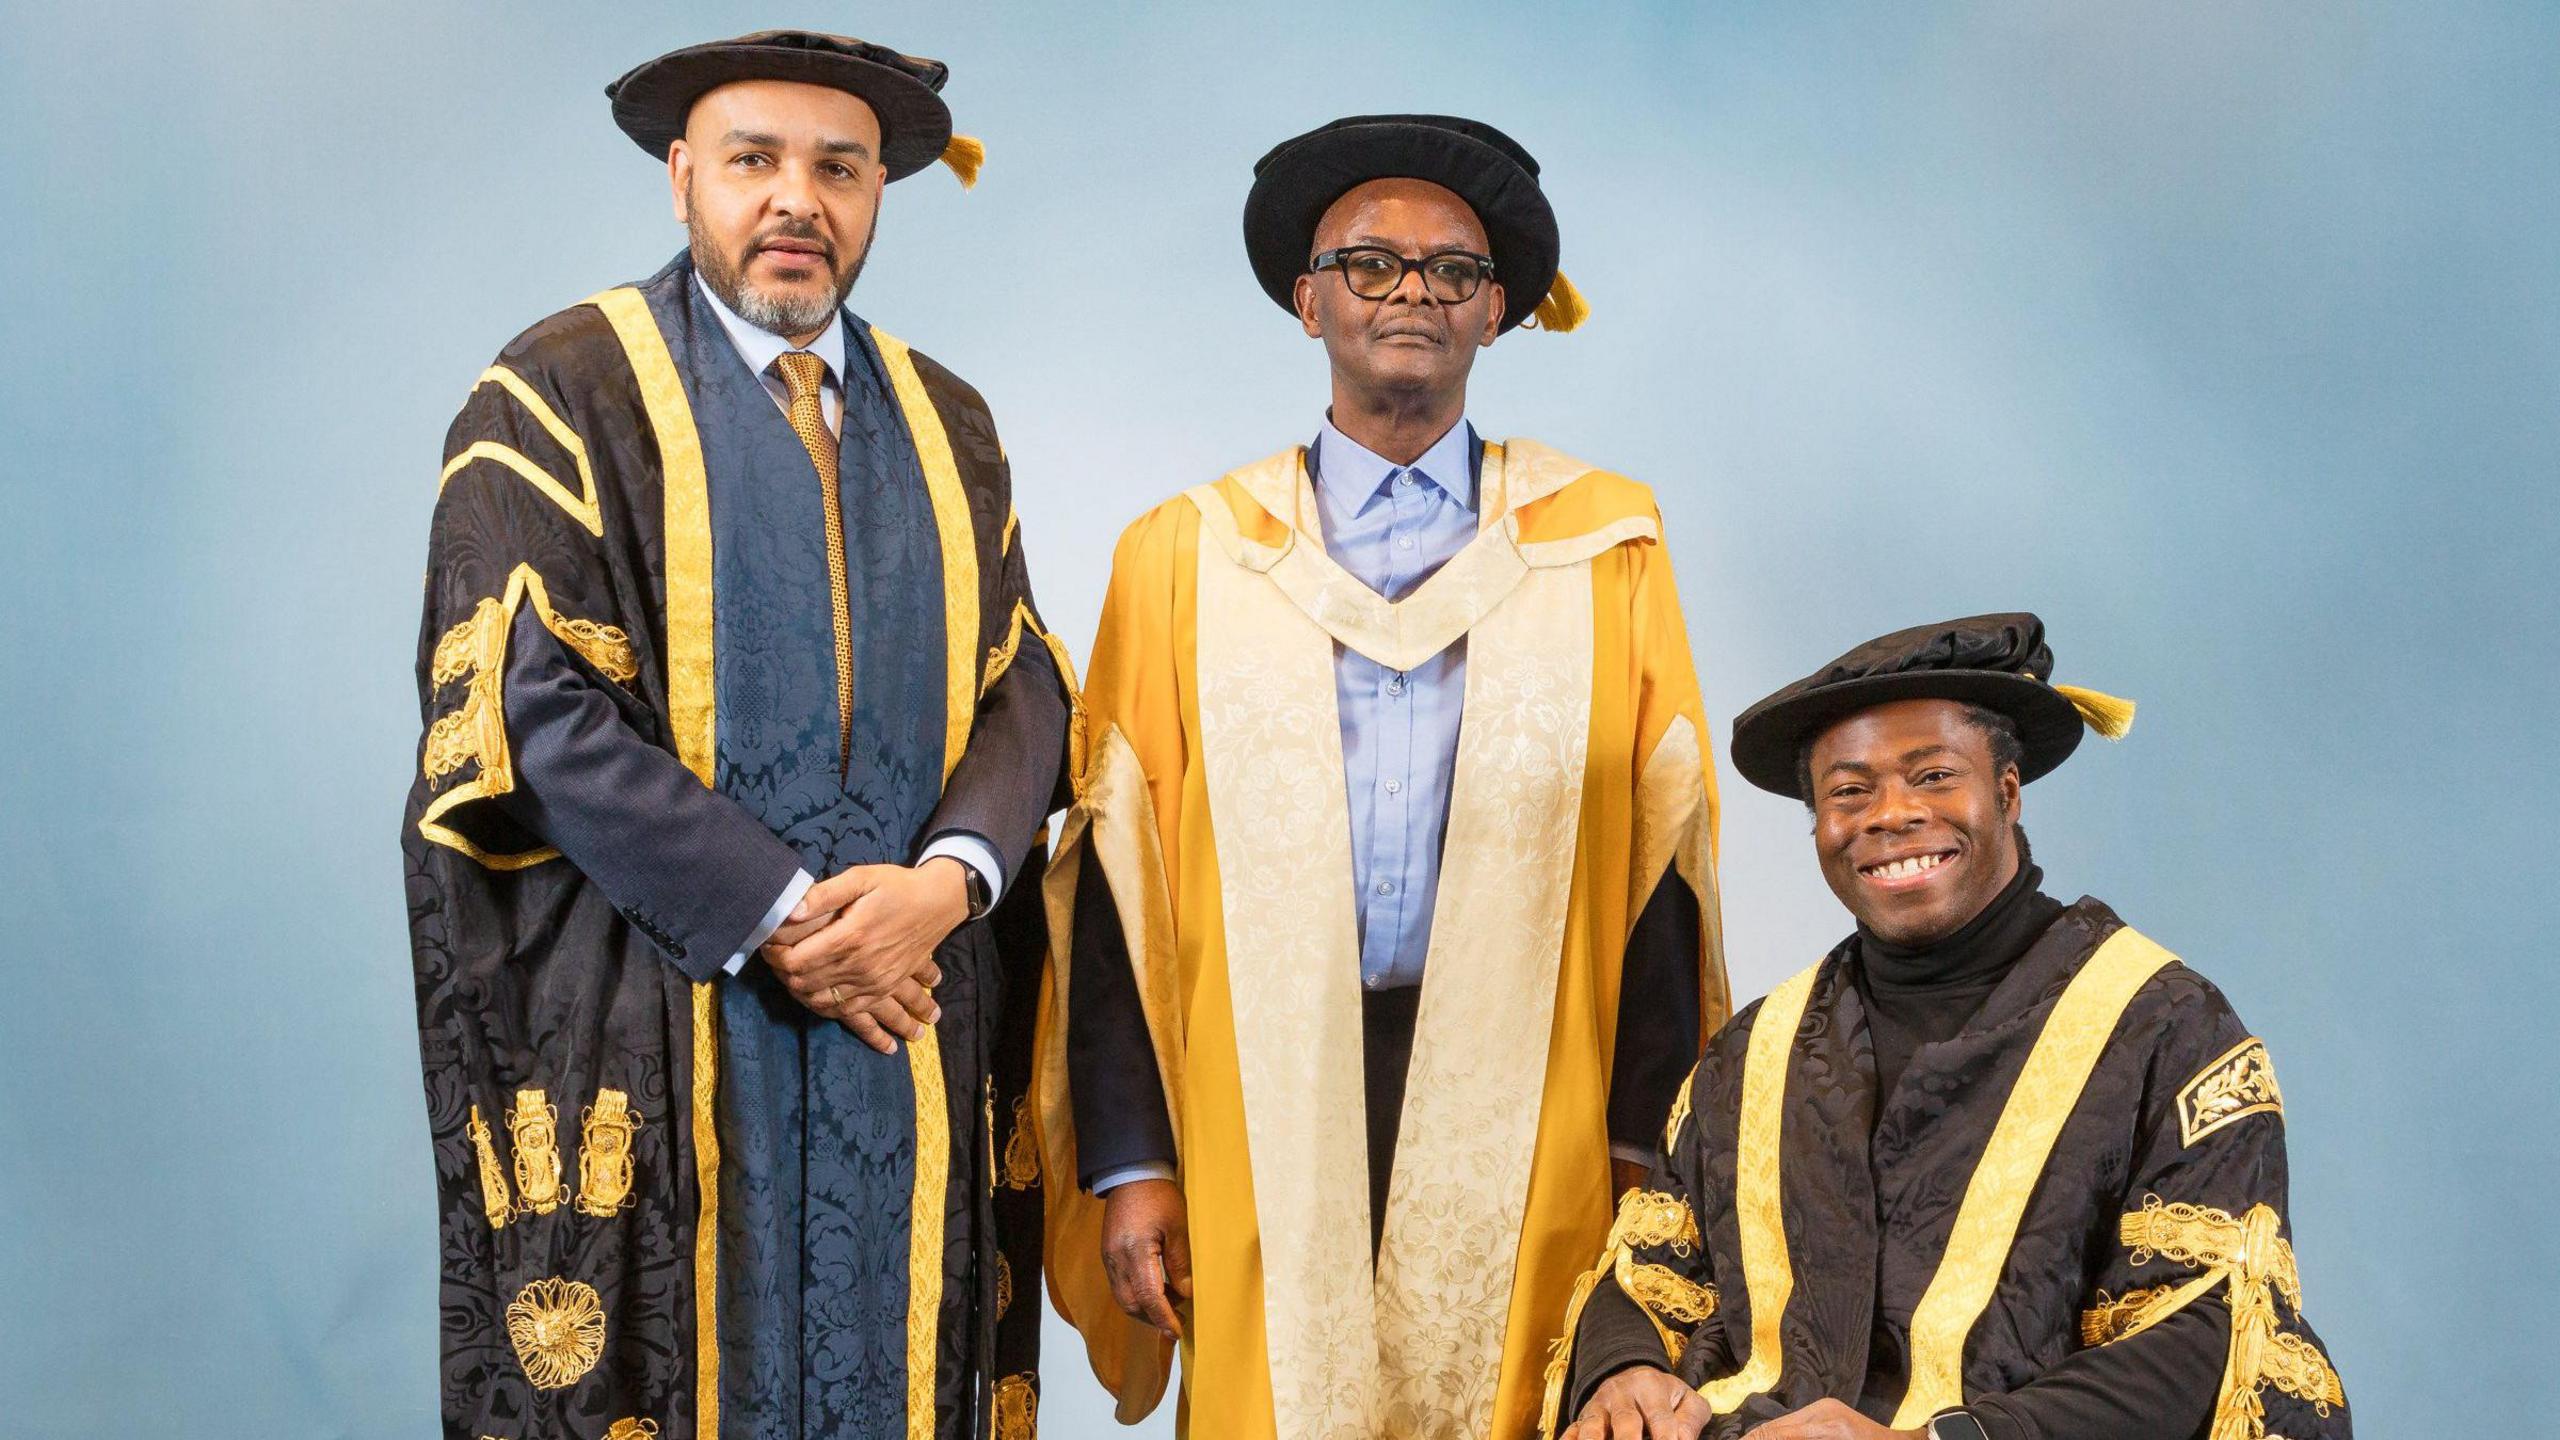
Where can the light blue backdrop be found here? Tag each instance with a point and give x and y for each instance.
(2227, 336)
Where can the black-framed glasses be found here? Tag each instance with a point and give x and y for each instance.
(1451, 277)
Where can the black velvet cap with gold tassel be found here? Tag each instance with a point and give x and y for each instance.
(651, 102)
(1999, 662)
(1300, 179)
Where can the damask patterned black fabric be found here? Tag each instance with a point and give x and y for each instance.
(569, 1296)
(1870, 1197)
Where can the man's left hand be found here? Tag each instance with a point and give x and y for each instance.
(1828, 1420)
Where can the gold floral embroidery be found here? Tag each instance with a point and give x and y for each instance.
(1017, 1408)
(2248, 1256)
(2242, 1082)
(1004, 1286)
(557, 1327)
(533, 1128)
(493, 1182)
(604, 1153)
(1021, 1150)
(474, 733)
(631, 1430)
(1649, 1218)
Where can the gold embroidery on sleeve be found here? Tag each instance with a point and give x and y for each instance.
(474, 653)
(2242, 1082)
(1004, 1285)
(557, 1328)
(1652, 1218)
(1017, 1408)
(493, 1182)
(533, 1129)
(604, 1153)
(631, 1430)
(2248, 1256)
(1646, 1219)
(1668, 1293)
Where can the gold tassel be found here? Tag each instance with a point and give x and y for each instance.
(2109, 715)
(964, 155)
(1563, 309)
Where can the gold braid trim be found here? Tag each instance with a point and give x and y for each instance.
(1646, 1219)
(493, 1181)
(631, 1430)
(1665, 1291)
(533, 1128)
(1679, 1114)
(2114, 1318)
(604, 1153)
(2247, 1255)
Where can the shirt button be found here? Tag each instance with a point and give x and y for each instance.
(1404, 477)
(1395, 685)
(1395, 787)
(1404, 542)
(1386, 887)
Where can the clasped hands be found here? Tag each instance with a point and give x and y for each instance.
(858, 948)
(1645, 1403)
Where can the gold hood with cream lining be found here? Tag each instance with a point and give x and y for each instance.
(1212, 794)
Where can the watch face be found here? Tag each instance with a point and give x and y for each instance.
(1956, 1425)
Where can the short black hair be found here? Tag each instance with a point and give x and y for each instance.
(2008, 750)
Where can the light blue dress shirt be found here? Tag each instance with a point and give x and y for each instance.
(1392, 526)
(760, 348)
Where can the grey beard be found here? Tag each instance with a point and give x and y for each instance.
(784, 315)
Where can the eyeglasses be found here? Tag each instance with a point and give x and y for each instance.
(1450, 277)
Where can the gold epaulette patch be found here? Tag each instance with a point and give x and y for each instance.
(2113, 1318)
(1668, 1293)
(2242, 1082)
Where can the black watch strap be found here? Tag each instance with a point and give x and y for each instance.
(1956, 1425)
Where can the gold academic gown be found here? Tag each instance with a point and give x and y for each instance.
(1210, 789)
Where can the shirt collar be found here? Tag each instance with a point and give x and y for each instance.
(1351, 474)
(760, 347)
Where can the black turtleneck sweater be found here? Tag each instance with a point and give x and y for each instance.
(1919, 994)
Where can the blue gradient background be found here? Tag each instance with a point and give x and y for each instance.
(2226, 336)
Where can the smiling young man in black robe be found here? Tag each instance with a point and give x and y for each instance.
(1995, 1167)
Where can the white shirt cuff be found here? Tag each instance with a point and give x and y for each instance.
(973, 852)
(1110, 1180)
(797, 886)
(1633, 1154)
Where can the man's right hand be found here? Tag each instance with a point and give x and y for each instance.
(1146, 1250)
(1640, 1402)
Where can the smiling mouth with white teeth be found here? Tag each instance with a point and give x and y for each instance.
(1908, 867)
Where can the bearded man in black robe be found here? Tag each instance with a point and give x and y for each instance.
(722, 858)
(1997, 1166)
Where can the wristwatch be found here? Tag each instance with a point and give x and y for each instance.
(1955, 1425)
(981, 900)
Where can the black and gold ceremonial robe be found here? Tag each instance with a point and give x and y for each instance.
(2097, 1154)
(671, 1202)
